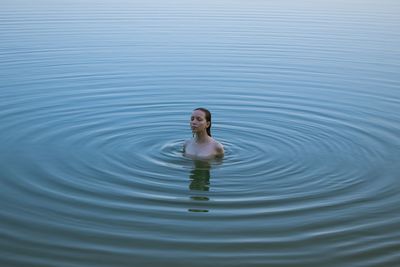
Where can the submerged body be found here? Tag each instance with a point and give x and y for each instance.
(202, 145)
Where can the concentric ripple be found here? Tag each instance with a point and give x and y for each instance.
(95, 106)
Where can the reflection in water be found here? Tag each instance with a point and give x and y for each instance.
(200, 182)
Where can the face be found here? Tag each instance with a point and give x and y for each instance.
(198, 121)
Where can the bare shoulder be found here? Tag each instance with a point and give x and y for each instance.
(185, 144)
(219, 148)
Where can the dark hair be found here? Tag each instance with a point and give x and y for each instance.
(208, 118)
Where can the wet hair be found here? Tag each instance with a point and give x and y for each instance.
(208, 118)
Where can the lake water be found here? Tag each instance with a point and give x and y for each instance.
(96, 98)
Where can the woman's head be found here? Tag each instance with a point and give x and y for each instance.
(201, 120)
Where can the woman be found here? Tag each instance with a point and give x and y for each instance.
(202, 146)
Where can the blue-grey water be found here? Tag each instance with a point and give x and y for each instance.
(95, 102)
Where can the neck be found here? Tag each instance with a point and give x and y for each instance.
(201, 137)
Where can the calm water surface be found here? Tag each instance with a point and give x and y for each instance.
(95, 104)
